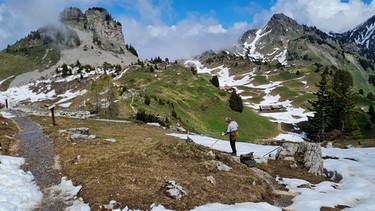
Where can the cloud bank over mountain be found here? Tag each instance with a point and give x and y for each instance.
(157, 28)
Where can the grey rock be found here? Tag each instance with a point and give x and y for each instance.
(175, 191)
(222, 167)
(312, 154)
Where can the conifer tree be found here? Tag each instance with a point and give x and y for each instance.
(65, 70)
(215, 81)
(371, 112)
(235, 102)
(343, 107)
(320, 121)
(334, 108)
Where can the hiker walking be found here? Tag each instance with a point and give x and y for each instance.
(232, 130)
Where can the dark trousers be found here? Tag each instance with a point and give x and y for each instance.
(233, 145)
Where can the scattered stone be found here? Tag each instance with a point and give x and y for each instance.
(174, 191)
(211, 154)
(349, 146)
(92, 137)
(287, 149)
(333, 175)
(81, 130)
(222, 167)
(155, 124)
(290, 158)
(110, 140)
(111, 205)
(211, 179)
(294, 166)
(77, 136)
(214, 164)
(76, 114)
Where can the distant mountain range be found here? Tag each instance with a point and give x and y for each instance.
(363, 35)
(285, 42)
(282, 36)
(90, 46)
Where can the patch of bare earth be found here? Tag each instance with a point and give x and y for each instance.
(7, 132)
(134, 169)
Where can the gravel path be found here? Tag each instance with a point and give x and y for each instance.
(38, 151)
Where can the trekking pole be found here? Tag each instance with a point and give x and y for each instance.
(271, 151)
(214, 143)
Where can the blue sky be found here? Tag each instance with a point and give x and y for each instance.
(183, 28)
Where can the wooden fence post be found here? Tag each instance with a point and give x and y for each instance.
(52, 108)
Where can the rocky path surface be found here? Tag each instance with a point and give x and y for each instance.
(38, 151)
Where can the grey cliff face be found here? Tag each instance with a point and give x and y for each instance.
(107, 33)
(72, 14)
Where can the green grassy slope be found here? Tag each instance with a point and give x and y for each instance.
(34, 58)
(198, 106)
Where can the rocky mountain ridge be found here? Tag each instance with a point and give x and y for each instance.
(92, 38)
(284, 42)
(363, 35)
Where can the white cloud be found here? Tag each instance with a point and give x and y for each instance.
(149, 33)
(332, 15)
(185, 39)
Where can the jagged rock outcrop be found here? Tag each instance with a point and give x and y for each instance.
(106, 32)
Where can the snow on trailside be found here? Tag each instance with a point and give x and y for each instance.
(357, 188)
(18, 190)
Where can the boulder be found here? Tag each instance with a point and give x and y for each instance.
(287, 149)
(307, 153)
(312, 157)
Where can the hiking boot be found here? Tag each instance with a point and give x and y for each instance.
(233, 153)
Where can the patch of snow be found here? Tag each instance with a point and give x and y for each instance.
(1, 82)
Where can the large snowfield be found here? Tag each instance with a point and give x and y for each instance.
(356, 190)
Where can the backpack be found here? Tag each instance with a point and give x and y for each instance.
(248, 159)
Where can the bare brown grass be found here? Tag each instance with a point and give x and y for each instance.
(134, 169)
(7, 132)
